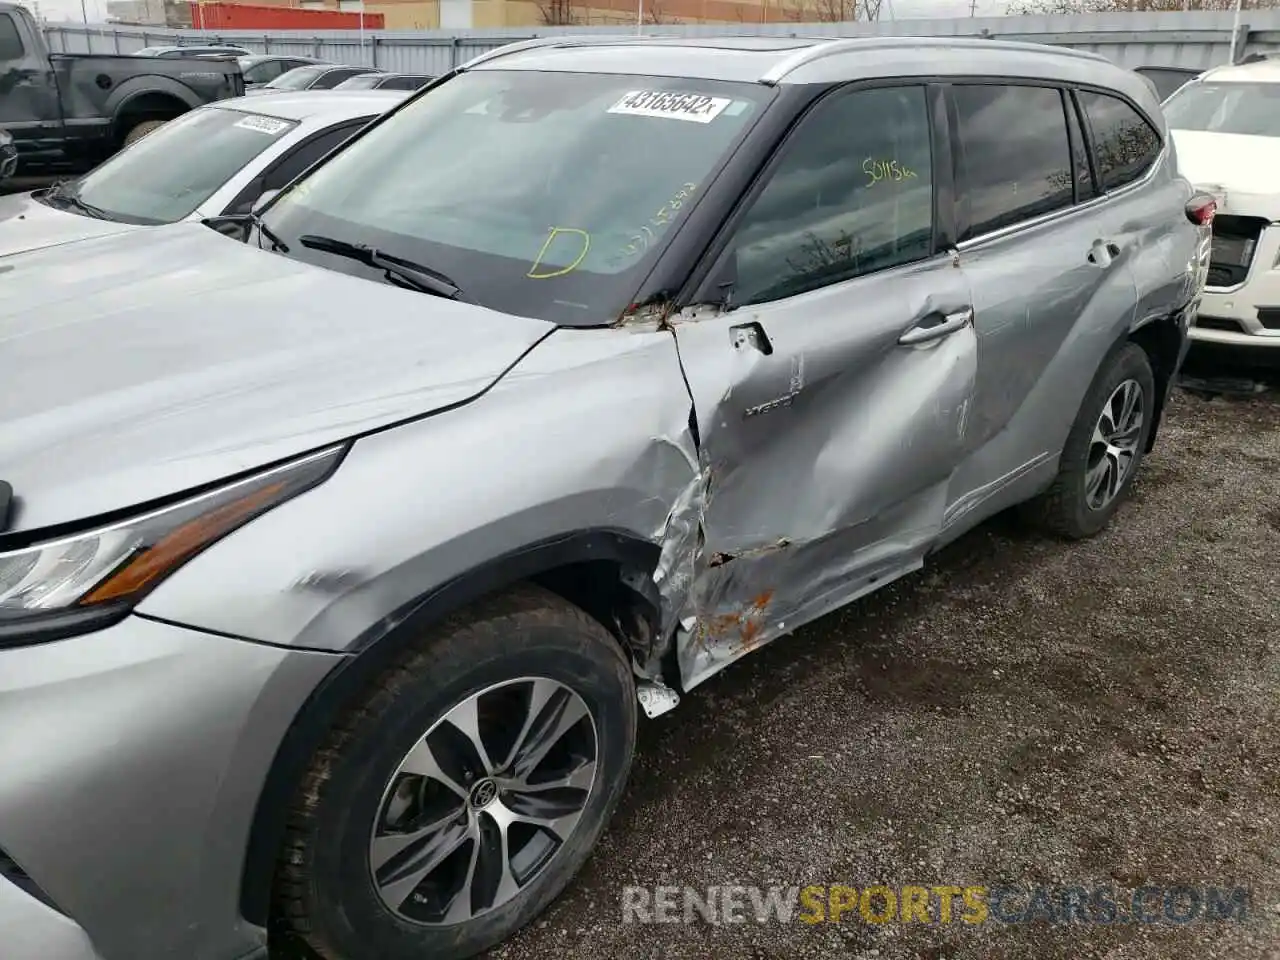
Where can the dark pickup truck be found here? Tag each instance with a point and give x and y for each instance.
(68, 112)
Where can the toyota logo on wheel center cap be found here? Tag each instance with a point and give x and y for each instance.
(484, 793)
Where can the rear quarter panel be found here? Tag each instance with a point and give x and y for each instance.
(1165, 243)
(97, 87)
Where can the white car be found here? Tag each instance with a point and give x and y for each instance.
(217, 159)
(1226, 131)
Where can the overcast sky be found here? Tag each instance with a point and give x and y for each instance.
(97, 9)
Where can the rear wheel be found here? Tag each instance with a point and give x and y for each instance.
(463, 793)
(1103, 451)
(140, 130)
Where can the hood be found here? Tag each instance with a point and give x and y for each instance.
(139, 366)
(1241, 167)
(27, 224)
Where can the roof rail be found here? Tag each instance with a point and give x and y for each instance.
(519, 46)
(823, 48)
(819, 51)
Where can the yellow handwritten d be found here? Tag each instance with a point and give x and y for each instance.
(556, 231)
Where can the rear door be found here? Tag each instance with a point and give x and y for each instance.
(831, 400)
(1050, 279)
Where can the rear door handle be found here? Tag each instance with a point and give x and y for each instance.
(936, 325)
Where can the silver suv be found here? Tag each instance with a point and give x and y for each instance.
(341, 561)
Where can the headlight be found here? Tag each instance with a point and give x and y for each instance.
(107, 570)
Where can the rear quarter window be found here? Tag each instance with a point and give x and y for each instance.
(1125, 145)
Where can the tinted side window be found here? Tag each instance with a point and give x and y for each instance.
(263, 72)
(404, 83)
(1015, 158)
(1124, 144)
(307, 154)
(851, 193)
(332, 78)
(10, 41)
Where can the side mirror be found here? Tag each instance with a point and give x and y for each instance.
(264, 198)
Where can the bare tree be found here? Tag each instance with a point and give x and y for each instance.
(557, 13)
(655, 13)
(833, 11)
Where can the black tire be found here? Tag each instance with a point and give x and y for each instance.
(140, 130)
(324, 890)
(1063, 509)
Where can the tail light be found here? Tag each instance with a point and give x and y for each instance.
(1201, 208)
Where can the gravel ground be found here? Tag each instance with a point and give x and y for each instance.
(1021, 710)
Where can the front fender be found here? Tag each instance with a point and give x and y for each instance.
(590, 432)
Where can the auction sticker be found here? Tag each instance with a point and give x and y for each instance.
(695, 107)
(268, 125)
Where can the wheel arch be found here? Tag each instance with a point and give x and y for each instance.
(1163, 340)
(606, 573)
(159, 98)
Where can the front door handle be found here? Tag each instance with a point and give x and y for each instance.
(1103, 252)
(937, 325)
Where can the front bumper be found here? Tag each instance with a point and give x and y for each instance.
(1246, 314)
(132, 762)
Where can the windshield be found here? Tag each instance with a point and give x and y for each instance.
(298, 78)
(540, 194)
(1246, 108)
(166, 175)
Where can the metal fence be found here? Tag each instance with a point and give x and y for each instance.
(1189, 39)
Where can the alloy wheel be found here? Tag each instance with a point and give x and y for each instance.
(1114, 445)
(482, 803)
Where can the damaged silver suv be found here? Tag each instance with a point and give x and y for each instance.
(341, 554)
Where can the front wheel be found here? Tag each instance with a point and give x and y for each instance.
(1103, 450)
(460, 797)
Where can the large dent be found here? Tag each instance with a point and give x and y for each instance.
(823, 467)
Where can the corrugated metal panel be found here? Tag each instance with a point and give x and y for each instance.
(1196, 39)
(216, 16)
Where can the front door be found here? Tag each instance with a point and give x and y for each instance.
(831, 400)
(28, 93)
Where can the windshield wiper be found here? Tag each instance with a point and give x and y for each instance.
(406, 272)
(251, 220)
(61, 193)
